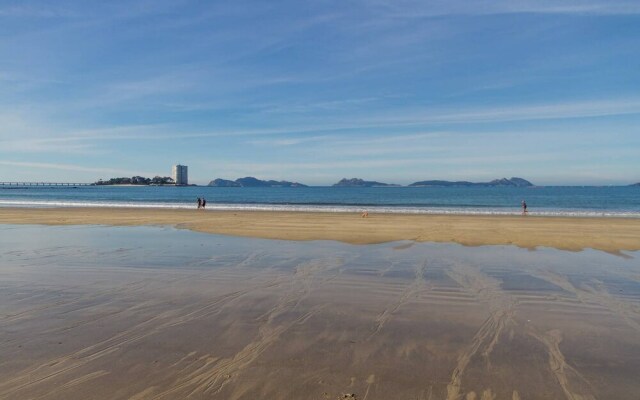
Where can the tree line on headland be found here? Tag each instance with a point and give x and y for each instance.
(138, 180)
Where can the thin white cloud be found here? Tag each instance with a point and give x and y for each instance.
(328, 105)
(47, 146)
(18, 133)
(566, 110)
(376, 119)
(449, 159)
(72, 167)
(291, 141)
(420, 9)
(36, 11)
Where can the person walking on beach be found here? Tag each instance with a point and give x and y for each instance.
(524, 208)
(204, 203)
(199, 203)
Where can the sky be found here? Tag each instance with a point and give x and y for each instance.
(313, 91)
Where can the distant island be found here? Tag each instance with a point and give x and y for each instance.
(137, 180)
(250, 181)
(513, 182)
(357, 182)
(635, 184)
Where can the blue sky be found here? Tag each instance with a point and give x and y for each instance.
(391, 90)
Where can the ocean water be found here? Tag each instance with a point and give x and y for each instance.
(543, 201)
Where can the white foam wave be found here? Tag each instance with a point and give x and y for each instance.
(325, 208)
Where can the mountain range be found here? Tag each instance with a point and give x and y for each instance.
(514, 182)
(357, 182)
(250, 181)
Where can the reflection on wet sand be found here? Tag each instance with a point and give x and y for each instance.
(152, 313)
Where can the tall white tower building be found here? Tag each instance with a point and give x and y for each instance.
(180, 175)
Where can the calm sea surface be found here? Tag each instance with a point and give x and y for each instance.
(570, 201)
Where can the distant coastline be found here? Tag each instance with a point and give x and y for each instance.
(514, 182)
(250, 181)
(137, 181)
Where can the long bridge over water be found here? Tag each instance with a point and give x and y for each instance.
(15, 184)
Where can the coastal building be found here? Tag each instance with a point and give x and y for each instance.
(180, 175)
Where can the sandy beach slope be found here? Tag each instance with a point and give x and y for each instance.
(606, 234)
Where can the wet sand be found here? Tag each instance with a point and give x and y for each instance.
(607, 234)
(158, 313)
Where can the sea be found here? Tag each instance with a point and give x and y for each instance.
(587, 201)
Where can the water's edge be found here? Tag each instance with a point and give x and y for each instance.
(324, 208)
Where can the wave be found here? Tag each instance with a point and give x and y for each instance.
(325, 208)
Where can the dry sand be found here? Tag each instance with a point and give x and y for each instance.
(608, 234)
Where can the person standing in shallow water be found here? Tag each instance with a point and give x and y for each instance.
(524, 208)
(204, 203)
(199, 203)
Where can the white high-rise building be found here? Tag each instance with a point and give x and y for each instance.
(180, 175)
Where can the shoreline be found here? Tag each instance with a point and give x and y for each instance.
(611, 235)
(335, 208)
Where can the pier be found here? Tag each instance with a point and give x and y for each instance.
(44, 184)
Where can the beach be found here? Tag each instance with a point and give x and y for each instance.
(153, 312)
(566, 233)
(320, 200)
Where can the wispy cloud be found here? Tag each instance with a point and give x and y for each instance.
(330, 105)
(292, 141)
(36, 11)
(373, 132)
(532, 112)
(362, 165)
(73, 168)
(47, 146)
(418, 9)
